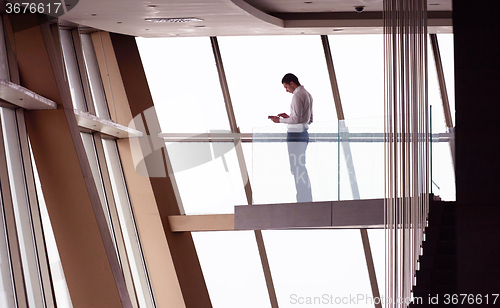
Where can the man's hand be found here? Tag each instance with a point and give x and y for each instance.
(275, 119)
(283, 115)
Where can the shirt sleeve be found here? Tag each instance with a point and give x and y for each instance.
(295, 111)
(299, 110)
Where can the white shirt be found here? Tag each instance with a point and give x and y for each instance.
(301, 113)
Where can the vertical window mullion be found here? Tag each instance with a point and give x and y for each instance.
(73, 71)
(22, 211)
(88, 142)
(38, 234)
(11, 265)
(84, 78)
(128, 227)
(94, 77)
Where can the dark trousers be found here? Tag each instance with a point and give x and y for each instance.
(297, 145)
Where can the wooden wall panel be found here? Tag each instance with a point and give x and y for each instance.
(87, 255)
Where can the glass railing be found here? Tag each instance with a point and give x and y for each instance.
(344, 161)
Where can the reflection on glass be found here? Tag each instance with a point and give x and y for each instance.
(328, 264)
(232, 269)
(184, 84)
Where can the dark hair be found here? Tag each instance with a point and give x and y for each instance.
(289, 78)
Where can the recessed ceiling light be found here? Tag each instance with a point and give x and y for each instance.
(151, 5)
(178, 19)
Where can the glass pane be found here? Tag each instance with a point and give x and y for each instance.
(63, 298)
(94, 77)
(6, 282)
(72, 71)
(232, 269)
(445, 42)
(318, 268)
(377, 245)
(359, 66)
(447, 57)
(212, 170)
(442, 173)
(22, 211)
(273, 181)
(127, 224)
(88, 142)
(362, 159)
(438, 121)
(184, 84)
(254, 67)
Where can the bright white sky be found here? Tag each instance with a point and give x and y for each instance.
(184, 83)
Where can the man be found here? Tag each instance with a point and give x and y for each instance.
(298, 121)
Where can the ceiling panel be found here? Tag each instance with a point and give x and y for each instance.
(226, 18)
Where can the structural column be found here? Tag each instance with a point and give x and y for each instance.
(87, 253)
(477, 152)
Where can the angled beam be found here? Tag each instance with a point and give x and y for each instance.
(243, 169)
(444, 92)
(441, 80)
(333, 77)
(371, 267)
(350, 165)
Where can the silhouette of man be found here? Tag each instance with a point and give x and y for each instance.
(301, 115)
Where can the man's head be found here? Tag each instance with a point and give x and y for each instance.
(290, 82)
